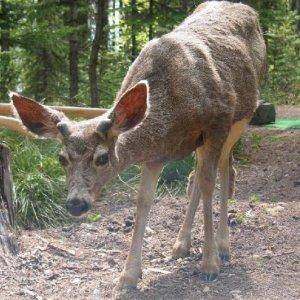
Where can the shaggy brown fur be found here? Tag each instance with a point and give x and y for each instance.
(207, 70)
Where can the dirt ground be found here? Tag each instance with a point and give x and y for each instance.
(83, 260)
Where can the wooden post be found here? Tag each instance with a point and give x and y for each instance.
(7, 210)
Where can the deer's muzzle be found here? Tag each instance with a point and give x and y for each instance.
(77, 206)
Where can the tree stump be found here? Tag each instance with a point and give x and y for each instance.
(8, 240)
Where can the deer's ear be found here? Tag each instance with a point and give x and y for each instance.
(131, 108)
(36, 117)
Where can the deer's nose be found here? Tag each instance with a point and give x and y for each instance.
(77, 206)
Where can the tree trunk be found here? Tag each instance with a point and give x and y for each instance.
(133, 30)
(4, 48)
(295, 5)
(73, 52)
(4, 38)
(99, 41)
(150, 34)
(185, 5)
(7, 211)
(43, 89)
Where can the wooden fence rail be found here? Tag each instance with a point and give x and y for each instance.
(81, 112)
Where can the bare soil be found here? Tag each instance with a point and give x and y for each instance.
(83, 260)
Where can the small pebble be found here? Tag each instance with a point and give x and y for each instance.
(76, 281)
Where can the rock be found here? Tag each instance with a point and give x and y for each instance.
(149, 231)
(96, 292)
(111, 262)
(157, 270)
(256, 256)
(113, 226)
(30, 293)
(67, 228)
(268, 254)
(76, 281)
(232, 220)
(296, 183)
(274, 211)
(206, 289)
(168, 259)
(129, 222)
(264, 114)
(127, 229)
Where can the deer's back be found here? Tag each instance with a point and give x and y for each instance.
(205, 71)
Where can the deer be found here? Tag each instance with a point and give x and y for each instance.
(194, 89)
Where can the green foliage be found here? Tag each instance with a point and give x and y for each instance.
(254, 199)
(256, 140)
(279, 23)
(37, 60)
(239, 152)
(177, 171)
(240, 217)
(94, 217)
(7, 66)
(39, 181)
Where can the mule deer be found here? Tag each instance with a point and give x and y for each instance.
(194, 89)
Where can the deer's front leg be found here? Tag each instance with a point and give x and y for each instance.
(133, 267)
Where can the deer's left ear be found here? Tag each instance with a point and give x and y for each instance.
(128, 112)
(131, 108)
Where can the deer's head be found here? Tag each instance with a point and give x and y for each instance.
(88, 152)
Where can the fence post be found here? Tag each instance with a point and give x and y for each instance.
(7, 210)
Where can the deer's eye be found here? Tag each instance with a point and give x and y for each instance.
(101, 159)
(63, 160)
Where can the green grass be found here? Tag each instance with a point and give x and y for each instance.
(239, 152)
(286, 123)
(39, 181)
(254, 199)
(256, 140)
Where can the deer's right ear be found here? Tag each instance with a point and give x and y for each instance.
(36, 117)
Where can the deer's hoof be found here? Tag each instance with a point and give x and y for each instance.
(211, 268)
(129, 279)
(225, 257)
(181, 249)
(209, 276)
(122, 293)
(126, 285)
(224, 253)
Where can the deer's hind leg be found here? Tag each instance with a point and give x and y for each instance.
(182, 245)
(227, 178)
